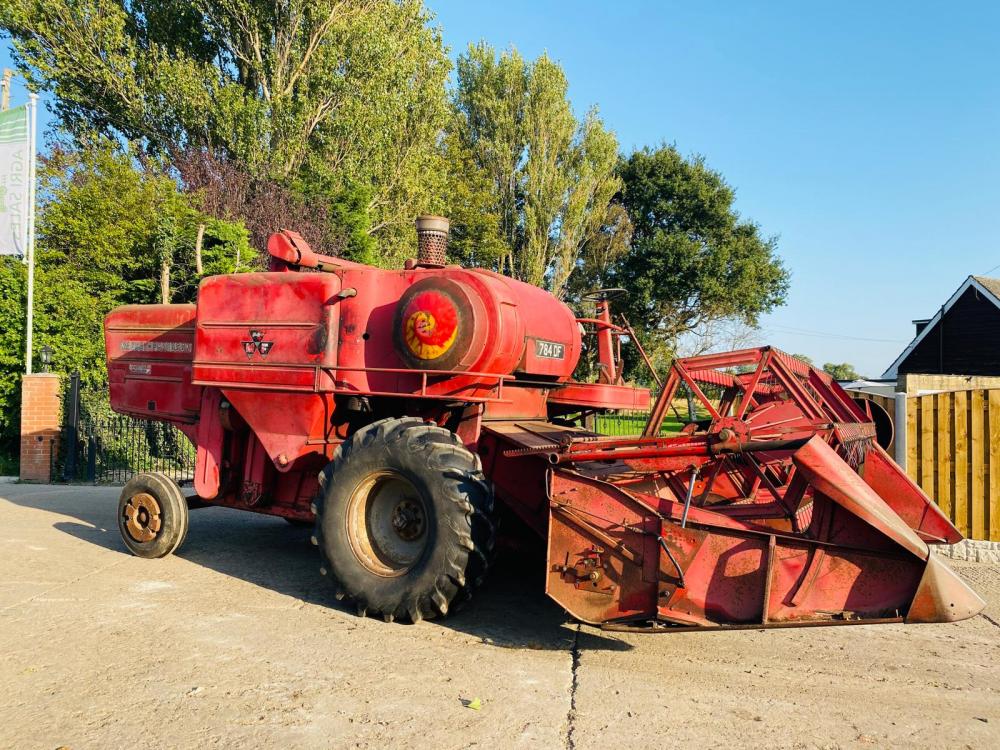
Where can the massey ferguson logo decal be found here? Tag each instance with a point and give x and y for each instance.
(257, 344)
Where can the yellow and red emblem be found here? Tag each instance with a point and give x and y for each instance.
(430, 324)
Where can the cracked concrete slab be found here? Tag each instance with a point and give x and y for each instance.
(237, 641)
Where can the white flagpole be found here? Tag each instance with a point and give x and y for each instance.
(30, 249)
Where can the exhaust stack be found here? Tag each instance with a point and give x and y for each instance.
(432, 241)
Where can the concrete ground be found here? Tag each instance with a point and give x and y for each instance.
(237, 642)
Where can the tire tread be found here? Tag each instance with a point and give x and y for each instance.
(466, 487)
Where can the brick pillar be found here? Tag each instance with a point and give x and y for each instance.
(40, 425)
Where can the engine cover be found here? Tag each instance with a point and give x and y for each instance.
(435, 323)
(477, 321)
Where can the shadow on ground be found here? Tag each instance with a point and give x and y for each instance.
(511, 610)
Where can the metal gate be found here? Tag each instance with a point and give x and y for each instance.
(110, 448)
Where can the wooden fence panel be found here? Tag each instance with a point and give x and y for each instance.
(943, 465)
(977, 449)
(991, 523)
(953, 453)
(927, 445)
(911, 437)
(960, 426)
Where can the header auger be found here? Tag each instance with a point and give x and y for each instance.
(396, 410)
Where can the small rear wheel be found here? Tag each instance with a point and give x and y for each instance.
(152, 515)
(405, 522)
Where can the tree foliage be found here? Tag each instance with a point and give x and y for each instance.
(345, 96)
(12, 307)
(225, 190)
(841, 371)
(547, 177)
(692, 259)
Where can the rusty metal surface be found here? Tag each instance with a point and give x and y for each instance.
(530, 438)
(828, 474)
(782, 511)
(600, 395)
(659, 627)
(942, 596)
(142, 517)
(619, 555)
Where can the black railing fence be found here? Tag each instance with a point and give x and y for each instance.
(109, 448)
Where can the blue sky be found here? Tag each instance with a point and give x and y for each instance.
(865, 135)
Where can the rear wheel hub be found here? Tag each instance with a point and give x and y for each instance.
(408, 520)
(142, 517)
(387, 523)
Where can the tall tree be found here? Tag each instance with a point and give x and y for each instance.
(549, 127)
(693, 260)
(550, 176)
(347, 94)
(488, 130)
(588, 226)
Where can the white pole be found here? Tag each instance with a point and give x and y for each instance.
(900, 429)
(5, 89)
(30, 249)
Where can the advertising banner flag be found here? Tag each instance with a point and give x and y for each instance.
(14, 180)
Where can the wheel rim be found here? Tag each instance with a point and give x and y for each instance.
(141, 517)
(387, 523)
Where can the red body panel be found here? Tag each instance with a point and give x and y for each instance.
(150, 350)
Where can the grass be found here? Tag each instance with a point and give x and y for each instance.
(628, 425)
(631, 423)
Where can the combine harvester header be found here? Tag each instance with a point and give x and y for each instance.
(780, 510)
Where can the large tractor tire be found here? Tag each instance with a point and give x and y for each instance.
(152, 515)
(404, 521)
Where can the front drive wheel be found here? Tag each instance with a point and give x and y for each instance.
(405, 520)
(152, 515)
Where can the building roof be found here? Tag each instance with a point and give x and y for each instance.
(988, 287)
(992, 284)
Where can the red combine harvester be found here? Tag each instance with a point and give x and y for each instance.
(391, 408)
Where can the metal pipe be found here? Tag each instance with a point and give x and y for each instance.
(680, 573)
(30, 232)
(701, 448)
(605, 348)
(690, 494)
(754, 446)
(624, 454)
(642, 352)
